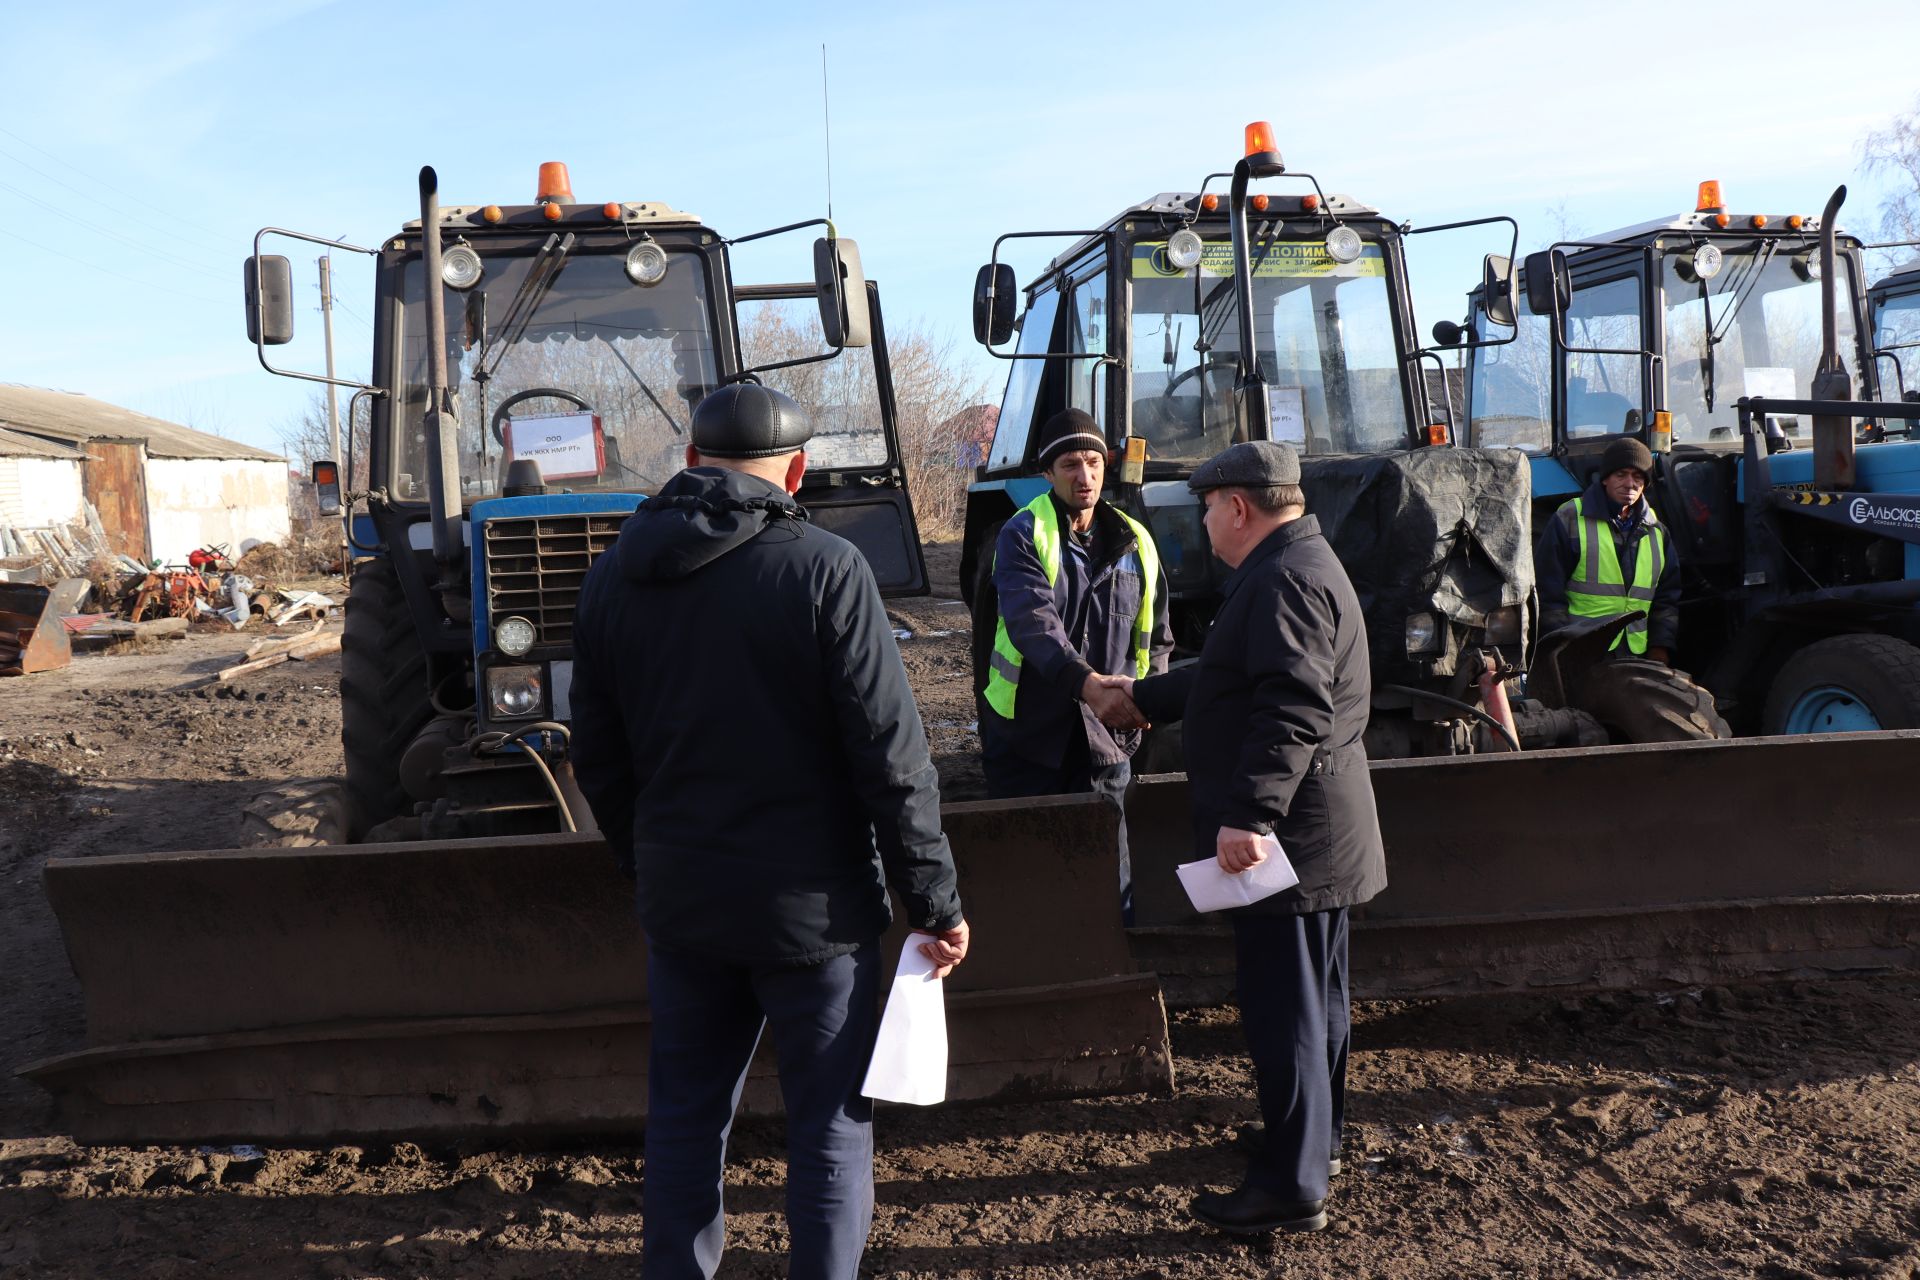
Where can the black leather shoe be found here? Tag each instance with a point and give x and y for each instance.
(1251, 1138)
(1251, 1212)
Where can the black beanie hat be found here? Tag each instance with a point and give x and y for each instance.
(1626, 453)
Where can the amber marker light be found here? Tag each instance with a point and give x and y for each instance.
(1759, 220)
(1436, 433)
(552, 212)
(1309, 203)
(1259, 203)
(1709, 201)
(1210, 202)
(1260, 138)
(491, 213)
(1795, 222)
(612, 210)
(325, 473)
(1722, 220)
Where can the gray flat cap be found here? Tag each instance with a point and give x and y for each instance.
(1254, 464)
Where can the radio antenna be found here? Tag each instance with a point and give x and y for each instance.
(826, 116)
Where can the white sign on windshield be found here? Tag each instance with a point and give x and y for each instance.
(1288, 417)
(568, 446)
(1771, 384)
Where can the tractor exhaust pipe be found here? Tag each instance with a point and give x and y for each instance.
(1833, 460)
(443, 427)
(1252, 399)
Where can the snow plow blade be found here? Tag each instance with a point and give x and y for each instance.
(1662, 866)
(456, 988)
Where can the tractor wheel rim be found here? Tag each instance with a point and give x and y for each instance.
(1831, 709)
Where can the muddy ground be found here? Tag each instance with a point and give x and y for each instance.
(1762, 1131)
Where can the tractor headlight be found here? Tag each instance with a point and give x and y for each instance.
(1184, 249)
(1343, 244)
(514, 636)
(514, 693)
(1706, 261)
(646, 263)
(460, 267)
(1503, 625)
(1423, 633)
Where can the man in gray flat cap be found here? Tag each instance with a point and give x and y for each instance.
(1275, 709)
(743, 730)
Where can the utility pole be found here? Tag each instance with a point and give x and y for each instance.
(333, 413)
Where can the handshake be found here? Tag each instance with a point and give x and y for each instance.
(1111, 699)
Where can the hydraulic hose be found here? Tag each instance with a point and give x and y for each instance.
(1467, 707)
(498, 738)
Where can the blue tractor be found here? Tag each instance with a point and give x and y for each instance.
(1739, 348)
(534, 368)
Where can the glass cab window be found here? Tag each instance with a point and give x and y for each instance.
(1022, 399)
(1605, 395)
(1751, 329)
(1896, 332)
(1087, 334)
(841, 395)
(1512, 404)
(1325, 333)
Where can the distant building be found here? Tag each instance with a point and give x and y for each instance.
(971, 431)
(161, 489)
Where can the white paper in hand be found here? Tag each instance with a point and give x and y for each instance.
(910, 1055)
(1212, 889)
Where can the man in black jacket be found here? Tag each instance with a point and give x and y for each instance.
(743, 730)
(1275, 709)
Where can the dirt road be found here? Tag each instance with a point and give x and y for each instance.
(1767, 1131)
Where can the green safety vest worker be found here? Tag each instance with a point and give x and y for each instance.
(1598, 588)
(1003, 673)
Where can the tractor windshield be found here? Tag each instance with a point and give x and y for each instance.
(1751, 329)
(631, 360)
(1325, 332)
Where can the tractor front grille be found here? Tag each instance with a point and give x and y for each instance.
(535, 565)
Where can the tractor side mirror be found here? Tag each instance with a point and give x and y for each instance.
(1548, 289)
(1447, 333)
(326, 488)
(994, 293)
(842, 289)
(1499, 290)
(269, 300)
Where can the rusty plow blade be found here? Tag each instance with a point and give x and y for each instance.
(1646, 866)
(454, 988)
(32, 637)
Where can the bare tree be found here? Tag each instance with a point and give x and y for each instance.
(1895, 151)
(308, 438)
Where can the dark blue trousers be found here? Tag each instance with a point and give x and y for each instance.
(1292, 980)
(707, 1018)
(1011, 775)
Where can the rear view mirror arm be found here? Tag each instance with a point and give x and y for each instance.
(259, 315)
(1513, 257)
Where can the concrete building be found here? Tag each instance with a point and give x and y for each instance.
(161, 489)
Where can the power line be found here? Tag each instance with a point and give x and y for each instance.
(193, 297)
(102, 182)
(56, 210)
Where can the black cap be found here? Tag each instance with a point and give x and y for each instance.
(1626, 453)
(747, 420)
(1067, 431)
(1254, 464)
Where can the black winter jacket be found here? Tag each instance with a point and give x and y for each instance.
(1275, 709)
(743, 730)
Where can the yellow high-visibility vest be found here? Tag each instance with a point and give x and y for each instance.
(1600, 589)
(1003, 670)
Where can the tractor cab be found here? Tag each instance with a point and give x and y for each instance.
(1894, 304)
(534, 372)
(1193, 320)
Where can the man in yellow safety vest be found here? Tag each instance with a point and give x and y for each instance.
(1077, 593)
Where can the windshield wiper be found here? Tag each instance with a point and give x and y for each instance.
(526, 301)
(628, 365)
(1741, 285)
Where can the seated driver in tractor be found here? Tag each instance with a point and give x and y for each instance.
(1604, 555)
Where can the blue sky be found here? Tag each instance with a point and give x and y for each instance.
(142, 145)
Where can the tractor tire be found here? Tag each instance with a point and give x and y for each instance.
(296, 815)
(384, 697)
(1847, 683)
(1639, 700)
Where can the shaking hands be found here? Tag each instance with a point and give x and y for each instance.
(1111, 699)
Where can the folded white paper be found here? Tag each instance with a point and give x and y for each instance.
(1212, 889)
(910, 1055)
